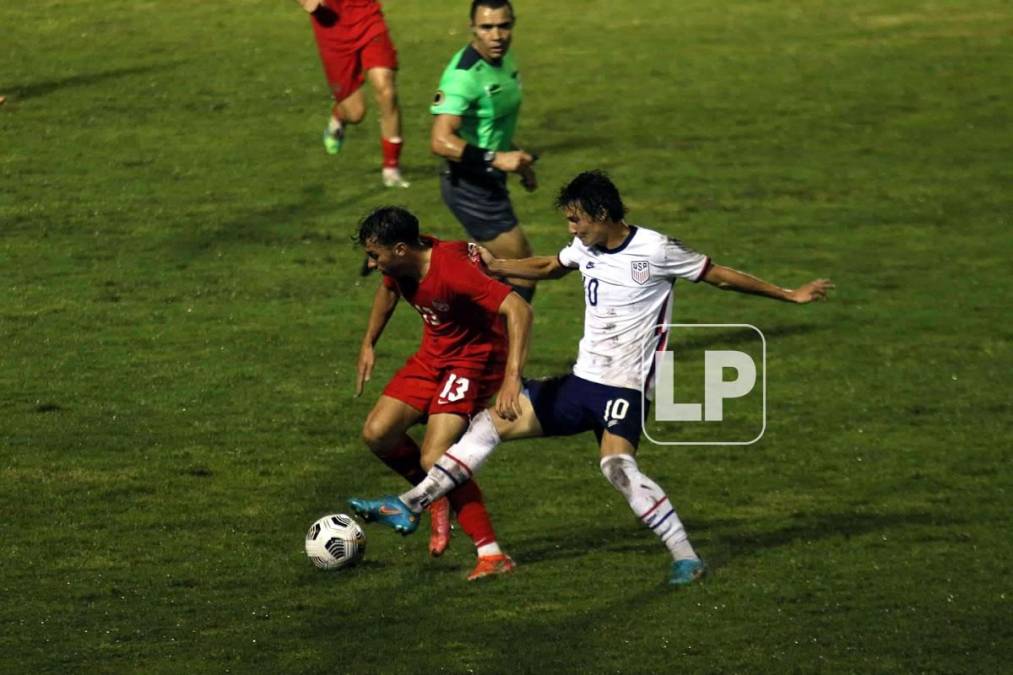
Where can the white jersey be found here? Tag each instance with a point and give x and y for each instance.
(627, 294)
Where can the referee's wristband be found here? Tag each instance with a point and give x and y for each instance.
(478, 158)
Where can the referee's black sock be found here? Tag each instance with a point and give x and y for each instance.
(526, 292)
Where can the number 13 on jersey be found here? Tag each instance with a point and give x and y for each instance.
(455, 388)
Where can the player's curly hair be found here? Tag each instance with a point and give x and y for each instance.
(388, 225)
(491, 4)
(595, 194)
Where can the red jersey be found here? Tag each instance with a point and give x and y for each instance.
(459, 306)
(359, 21)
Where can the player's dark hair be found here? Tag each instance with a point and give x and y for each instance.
(389, 225)
(491, 4)
(595, 194)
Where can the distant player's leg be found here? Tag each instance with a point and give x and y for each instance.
(651, 505)
(349, 110)
(344, 78)
(379, 61)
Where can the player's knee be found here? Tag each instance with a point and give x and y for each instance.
(352, 109)
(374, 435)
(618, 470)
(353, 114)
(386, 96)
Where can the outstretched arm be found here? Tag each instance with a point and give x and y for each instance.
(536, 268)
(728, 279)
(310, 5)
(518, 320)
(384, 304)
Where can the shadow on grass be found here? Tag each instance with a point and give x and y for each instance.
(45, 87)
(280, 223)
(726, 538)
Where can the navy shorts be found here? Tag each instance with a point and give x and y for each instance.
(481, 204)
(568, 405)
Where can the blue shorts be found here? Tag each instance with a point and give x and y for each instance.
(568, 405)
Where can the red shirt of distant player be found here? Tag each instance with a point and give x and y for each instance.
(459, 365)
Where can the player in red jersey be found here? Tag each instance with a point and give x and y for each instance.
(474, 343)
(354, 46)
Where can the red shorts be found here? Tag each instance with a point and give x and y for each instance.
(345, 65)
(435, 390)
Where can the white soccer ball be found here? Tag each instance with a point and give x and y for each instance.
(335, 541)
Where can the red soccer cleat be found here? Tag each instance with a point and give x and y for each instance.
(492, 564)
(439, 522)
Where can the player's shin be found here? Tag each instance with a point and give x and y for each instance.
(650, 504)
(457, 465)
(404, 459)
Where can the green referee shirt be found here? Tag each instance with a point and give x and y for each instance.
(487, 97)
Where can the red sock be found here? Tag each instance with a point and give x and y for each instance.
(391, 152)
(404, 459)
(471, 514)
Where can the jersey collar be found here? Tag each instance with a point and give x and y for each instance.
(620, 247)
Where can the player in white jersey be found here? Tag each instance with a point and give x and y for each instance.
(628, 292)
(628, 276)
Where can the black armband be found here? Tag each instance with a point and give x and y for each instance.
(477, 158)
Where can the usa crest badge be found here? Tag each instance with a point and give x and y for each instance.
(641, 271)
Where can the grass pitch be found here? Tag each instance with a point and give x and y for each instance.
(181, 316)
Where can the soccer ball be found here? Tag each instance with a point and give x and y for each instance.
(335, 541)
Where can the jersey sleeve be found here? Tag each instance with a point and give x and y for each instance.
(675, 259)
(466, 280)
(571, 255)
(455, 96)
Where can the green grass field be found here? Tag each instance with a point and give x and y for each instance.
(181, 315)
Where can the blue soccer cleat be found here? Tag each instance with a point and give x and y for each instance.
(388, 510)
(684, 572)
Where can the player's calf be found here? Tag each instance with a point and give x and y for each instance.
(654, 510)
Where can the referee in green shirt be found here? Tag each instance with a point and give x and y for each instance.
(476, 110)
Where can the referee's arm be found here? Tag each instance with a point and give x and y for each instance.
(445, 142)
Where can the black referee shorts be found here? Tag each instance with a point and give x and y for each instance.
(480, 203)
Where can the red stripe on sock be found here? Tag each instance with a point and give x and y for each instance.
(462, 464)
(654, 508)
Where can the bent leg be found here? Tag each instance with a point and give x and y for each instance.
(464, 494)
(351, 109)
(382, 81)
(385, 433)
(648, 501)
(457, 464)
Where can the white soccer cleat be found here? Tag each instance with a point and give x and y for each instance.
(392, 178)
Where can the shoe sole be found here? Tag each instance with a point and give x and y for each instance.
(696, 577)
(493, 573)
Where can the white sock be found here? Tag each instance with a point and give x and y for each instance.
(649, 502)
(334, 127)
(457, 465)
(489, 549)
